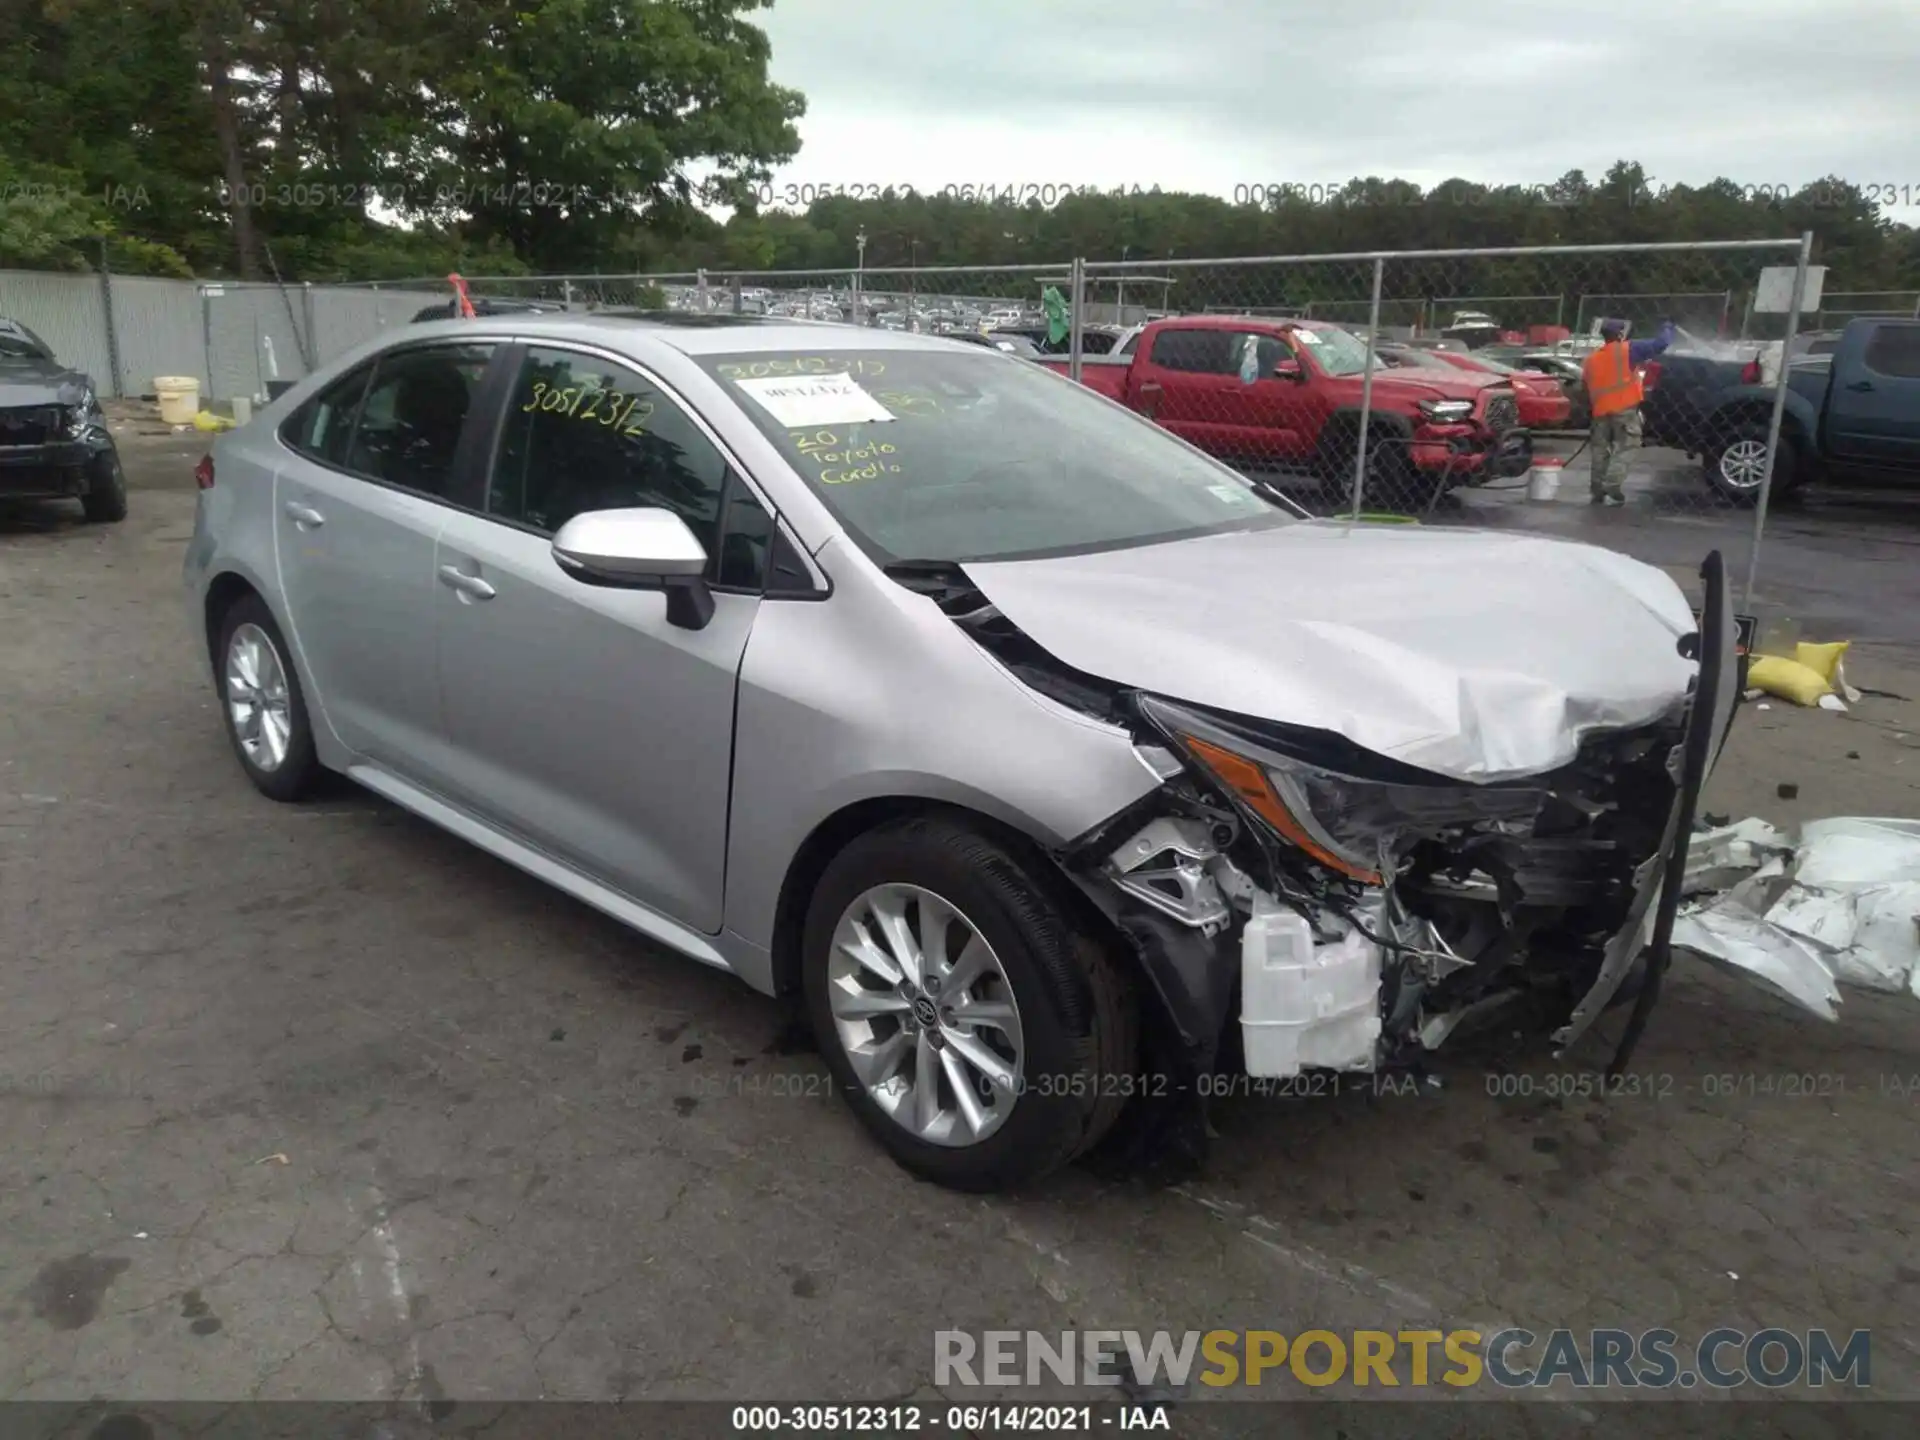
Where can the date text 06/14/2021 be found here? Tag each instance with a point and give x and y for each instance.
(972, 1419)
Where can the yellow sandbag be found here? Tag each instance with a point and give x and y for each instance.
(1788, 679)
(207, 420)
(1823, 660)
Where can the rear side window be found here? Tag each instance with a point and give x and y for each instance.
(323, 427)
(1895, 350)
(1204, 352)
(413, 413)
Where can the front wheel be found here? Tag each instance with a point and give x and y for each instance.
(1735, 464)
(105, 502)
(979, 1033)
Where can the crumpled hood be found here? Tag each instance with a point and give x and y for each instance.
(39, 382)
(1471, 654)
(1420, 384)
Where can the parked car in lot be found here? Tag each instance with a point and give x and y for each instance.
(1855, 409)
(1542, 402)
(1001, 340)
(1094, 339)
(54, 441)
(1051, 763)
(487, 305)
(1258, 391)
(1569, 372)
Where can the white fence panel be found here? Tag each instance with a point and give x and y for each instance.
(66, 311)
(157, 330)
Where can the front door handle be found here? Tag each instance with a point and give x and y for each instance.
(471, 586)
(305, 516)
(1861, 385)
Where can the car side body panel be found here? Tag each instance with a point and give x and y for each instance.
(820, 727)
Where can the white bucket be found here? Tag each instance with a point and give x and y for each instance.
(1543, 480)
(179, 397)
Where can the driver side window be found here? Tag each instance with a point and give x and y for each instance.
(583, 433)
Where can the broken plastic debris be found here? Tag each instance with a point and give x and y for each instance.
(274, 1159)
(1731, 935)
(1833, 702)
(1720, 858)
(1870, 867)
(1847, 908)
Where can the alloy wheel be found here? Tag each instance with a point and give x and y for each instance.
(1743, 464)
(925, 1015)
(258, 701)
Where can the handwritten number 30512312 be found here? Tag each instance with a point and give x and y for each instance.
(626, 413)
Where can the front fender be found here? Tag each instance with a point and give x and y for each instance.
(1800, 418)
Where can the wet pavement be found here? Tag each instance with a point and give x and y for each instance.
(320, 1102)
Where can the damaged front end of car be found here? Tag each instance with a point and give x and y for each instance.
(1299, 904)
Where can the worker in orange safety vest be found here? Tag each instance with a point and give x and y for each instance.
(1612, 377)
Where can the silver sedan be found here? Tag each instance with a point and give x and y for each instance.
(1055, 766)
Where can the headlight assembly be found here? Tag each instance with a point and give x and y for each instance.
(80, 416)
(1349, 824)
(1446, 410)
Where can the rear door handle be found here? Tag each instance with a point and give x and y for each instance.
(1861, 385)
(305, 516)
(471, 586)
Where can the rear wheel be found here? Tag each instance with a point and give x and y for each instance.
(260, 698)
(974, 1028)
(1735, 464)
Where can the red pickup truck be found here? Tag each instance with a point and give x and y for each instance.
(1270, 393)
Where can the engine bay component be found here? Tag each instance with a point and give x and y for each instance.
(1303, 1004)
(1165, 865)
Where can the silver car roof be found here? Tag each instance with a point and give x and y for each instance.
(692, 335)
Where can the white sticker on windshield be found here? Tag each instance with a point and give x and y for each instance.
(1306, 335)
(800, 401)
(1234, 494)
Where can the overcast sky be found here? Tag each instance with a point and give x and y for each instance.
(1213, 94)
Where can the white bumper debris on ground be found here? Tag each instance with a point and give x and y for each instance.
(1839, 907)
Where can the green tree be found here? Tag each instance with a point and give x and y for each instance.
(564, 123)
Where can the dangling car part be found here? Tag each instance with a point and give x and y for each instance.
(1359, 908)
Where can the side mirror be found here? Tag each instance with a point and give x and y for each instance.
(639, 549)
(1288, 370)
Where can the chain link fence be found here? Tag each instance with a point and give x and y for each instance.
(1447, 387)
(1406, 385)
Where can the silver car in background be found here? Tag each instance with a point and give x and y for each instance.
(1054, 766)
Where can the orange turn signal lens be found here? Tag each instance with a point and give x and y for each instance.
(1249, 781)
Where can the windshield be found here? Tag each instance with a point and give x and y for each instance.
(970, 456)
(1337, 352)
(19, 345)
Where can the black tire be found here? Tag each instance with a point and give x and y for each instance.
(299, 773)
(1394, 483)
(1731, 456)
(106, 499)
(1078, 1009)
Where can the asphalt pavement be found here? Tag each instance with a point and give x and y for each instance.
(318, 1102)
